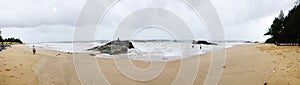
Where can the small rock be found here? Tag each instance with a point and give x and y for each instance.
(265, 83)
(165, 58)
(7, 69)
(92, 54)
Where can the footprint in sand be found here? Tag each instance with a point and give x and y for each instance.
(21, 64)
(7, 69)
(11, 76)
(22, 73)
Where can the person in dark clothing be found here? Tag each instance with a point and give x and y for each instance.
(200, 47)
(33, 50)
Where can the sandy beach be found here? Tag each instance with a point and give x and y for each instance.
(251, 64)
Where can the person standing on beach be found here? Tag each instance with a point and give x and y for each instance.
(33, 50)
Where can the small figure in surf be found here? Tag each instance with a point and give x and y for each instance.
(200, 47)
(33, 50)
(118, 39)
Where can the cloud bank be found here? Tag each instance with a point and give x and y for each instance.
(54, 20)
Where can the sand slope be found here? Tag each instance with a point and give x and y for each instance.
(55, 68)
(246, 65)
(251, 64)
(287, 68)
(16, 65)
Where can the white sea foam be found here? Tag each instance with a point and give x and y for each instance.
(145, 51)
(66, 46)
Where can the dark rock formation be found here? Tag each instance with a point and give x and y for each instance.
(248, 42)
(204, 42)
(2, 47)
(251, 42)
(114, 47)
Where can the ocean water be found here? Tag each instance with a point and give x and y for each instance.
(66, 46)
(144, 50)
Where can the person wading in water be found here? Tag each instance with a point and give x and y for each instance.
(200, 47)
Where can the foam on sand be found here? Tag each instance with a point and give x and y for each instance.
(144, 50)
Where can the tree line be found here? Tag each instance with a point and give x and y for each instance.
(10, 40)
(285, 30)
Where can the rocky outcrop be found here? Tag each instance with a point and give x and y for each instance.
(114, 47)
(2, 47)
(251, 42)
(204, 42)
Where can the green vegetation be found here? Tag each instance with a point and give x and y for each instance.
(13, 40)
(286, 29)
(10, 40)
(1, 39)
(270, 40)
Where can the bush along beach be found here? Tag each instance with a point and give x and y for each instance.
(8, 42)
(285, 29)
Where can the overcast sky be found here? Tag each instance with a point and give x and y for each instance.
(54, 20)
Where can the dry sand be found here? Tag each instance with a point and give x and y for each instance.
(16, 65)
(245, 65)
(20, 67)
(286, 70)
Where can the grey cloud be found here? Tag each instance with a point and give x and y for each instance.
(23, 13)
(56, 18)
(240, 11)
(42, 33)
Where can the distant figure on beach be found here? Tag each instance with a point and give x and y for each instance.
(33, 50)
(118, 39)
(200, 47)
(193, 46)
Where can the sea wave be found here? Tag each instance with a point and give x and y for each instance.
(144, 50)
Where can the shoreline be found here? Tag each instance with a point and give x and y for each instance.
(172, 56)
